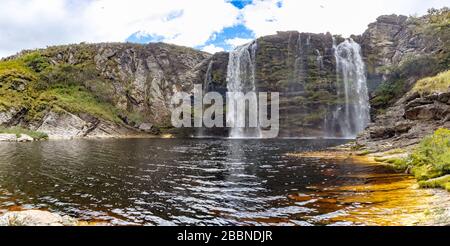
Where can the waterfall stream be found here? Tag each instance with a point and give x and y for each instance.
(352, 117)
(241, 79)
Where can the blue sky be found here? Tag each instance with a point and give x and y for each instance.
(209, 25)
(226, 39)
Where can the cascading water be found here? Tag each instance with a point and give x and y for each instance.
(241, 78)
(200, 133)
(352, 117)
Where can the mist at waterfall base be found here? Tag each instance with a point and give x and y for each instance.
(342, 120)
(351, 118)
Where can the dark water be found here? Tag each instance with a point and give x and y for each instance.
(171, 181)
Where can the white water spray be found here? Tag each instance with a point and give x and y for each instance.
(354, 116)
(241, 79)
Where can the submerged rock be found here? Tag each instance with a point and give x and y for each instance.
(35, 218)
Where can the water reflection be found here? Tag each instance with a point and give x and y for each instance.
(188, 182)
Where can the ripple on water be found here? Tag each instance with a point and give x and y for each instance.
(206, 182)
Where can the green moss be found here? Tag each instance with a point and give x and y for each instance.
(441, 182)
(19, 131)
(363, 153)
(431, 158)
(425, 172)
(36, 62)
(434, 150)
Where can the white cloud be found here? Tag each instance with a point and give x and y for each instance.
(237, 41)
(339, 17)
(26, 24)
(32, 24)
(212, 49)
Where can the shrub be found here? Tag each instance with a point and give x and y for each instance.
(432, 157)
(429, 85)
(36, 62)
(65, 75)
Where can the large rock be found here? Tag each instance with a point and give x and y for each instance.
(35, 218)
(24, 138)
(6, 137)
(65, 125)
(403, 125)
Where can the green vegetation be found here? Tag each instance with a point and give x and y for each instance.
(32, 84)
(77, 99)
(434, 29)
(432, 157)
(441, 182)
(412, 68)
(19, 131)
(429, 85)
(429, 161)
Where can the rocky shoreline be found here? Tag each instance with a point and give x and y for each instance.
(36, 218)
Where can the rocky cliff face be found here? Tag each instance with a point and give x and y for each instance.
(132, 83)
(407, 122)
(142, 78)
(125, 89)
(301, 67)
(399, 51)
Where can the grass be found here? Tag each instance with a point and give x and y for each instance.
(429, 162)
(429, 85)
(18, 131)
(431, 158)
(77, 99)
(441, 182)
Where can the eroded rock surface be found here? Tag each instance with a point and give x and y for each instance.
(35, 218)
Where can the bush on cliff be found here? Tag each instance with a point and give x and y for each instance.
(429, 85)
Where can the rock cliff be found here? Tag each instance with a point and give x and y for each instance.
(123, 89)
(400, 51)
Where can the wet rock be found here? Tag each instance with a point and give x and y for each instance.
(35, 218)
(6, 137)
(146, 127)
(25, 138)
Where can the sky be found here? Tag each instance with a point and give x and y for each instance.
(208, 25)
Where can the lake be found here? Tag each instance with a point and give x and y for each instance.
(206, 182)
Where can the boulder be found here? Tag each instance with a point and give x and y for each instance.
(25, 138)
(146, 127)
(35, 218)
(7, 137)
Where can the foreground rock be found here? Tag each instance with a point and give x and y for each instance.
(35, 218)
(7, 137)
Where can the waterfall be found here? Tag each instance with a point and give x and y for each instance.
(241, 78)
(208, 76)
(352, 117)
(201, 132)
